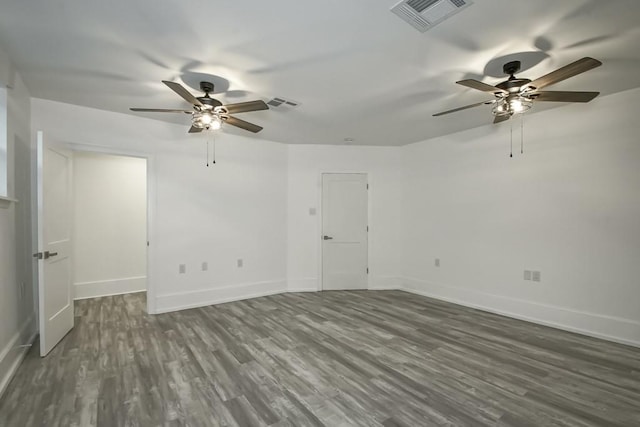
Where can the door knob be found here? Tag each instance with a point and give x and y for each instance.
(327, 238)
(48, 254)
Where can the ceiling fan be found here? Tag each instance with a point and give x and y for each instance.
(516, 95)
(209, 113)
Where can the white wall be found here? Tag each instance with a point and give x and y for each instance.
(17, 317)
(568, 207)
(233, 210)
(383, 167)
(109, 225)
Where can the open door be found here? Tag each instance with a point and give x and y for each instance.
(54, 243)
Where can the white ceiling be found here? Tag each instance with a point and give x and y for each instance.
(358, 70)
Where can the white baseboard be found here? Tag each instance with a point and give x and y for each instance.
(201, 298)
(302, 290)
(12, 354)
(377, 283)
(384, 283)
(306, 284)
(623, 331)
(103, 288)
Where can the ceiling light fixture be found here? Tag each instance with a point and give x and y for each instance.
(207, 120)
(512, 104)
(506, 106)
(520, 104)
(209, 113)
(501, 108)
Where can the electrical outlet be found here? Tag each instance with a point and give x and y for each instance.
(205, 266)
(240, 263)
(527, 275)
(182, 268)
(437, 262)
(536, 276)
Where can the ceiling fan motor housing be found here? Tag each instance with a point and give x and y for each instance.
(513, 84)
(208, 101)
(207, 87)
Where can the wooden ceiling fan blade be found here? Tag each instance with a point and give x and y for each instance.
(244, 107)
(242, 124)
(563, 73)
(160, 110)
(185, 94)
(478, 85)
(502, 118)
(194, 129)
(462, 108)
(559, 96)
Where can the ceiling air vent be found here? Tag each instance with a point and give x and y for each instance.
(281, 103)
(425, 14)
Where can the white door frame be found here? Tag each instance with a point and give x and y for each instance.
(320, 260)
(151, 203)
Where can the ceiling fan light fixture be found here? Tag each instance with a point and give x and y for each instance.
(216, 123)
(206, 120)
(209, 113)
(511, 105)
(501, 108)
(516, 95)
(520, 104)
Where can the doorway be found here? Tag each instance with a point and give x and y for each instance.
(83, 204)
(344, 231)
(109, 224)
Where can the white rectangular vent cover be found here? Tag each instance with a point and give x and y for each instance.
(424, 14)
(281, 103)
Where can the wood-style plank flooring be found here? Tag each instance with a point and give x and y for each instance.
(366, 358)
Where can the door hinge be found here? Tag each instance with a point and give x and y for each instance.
(367, 228)
(367, 270)
(367, 186)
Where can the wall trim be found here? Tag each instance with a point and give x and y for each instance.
(5, 202)
(384, 283)
(12, 351)
(610, 328)
(295, 290)
(103, 288)
(305, 284)
(219, 295)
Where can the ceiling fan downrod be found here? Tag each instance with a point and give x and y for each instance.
(511, 68)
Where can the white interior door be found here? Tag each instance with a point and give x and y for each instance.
(344, 229)
(54, 243)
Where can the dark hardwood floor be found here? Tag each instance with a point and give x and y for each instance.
(364, 358)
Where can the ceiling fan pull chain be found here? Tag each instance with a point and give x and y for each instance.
(521, 133)
(207, 152)
(214, 149)
(511, 148)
